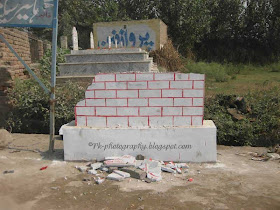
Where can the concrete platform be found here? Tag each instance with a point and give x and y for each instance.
(180, 144)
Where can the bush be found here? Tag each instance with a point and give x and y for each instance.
(261, 123)
(30, 113)
(167, 57)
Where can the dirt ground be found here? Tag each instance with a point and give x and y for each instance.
(234, 182)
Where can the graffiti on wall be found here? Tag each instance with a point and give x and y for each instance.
(138, 38)
(26, 12)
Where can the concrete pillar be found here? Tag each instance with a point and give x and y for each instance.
(91, 41)
(75, 39)
(109, 42)
(63, 42)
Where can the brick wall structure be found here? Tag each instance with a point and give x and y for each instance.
(142, 99)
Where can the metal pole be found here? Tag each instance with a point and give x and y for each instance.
(53, 77)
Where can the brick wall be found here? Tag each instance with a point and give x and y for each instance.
(142, 99)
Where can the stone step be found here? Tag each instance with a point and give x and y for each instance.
(106, 51)
(108, 57)
(92, 68)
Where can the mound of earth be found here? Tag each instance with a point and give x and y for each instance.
(5, 138)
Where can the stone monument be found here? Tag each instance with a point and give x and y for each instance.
(75, 39)
(158, 115)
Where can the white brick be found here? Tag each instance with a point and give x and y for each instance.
(144, 77)
(167, 76)
(172, 93)
(85, 111)
(106, 111)
(182, 102)
(161, 102)
(81, 121)
(115, 85)
(192, 110)
(198, 102)
(89, 94)
(104, 77)
(116, 102)
(197, 120)
(125, 77)
(199, 84)
(181, 76)
(138, 102)
(137, 85)
(138, 121)
(158, 84)
(172, 111)
(96, 122)
(150, 111)
(196, 76)
(81, 103)
(95, 102)
(161, 121)
(181, 84)
(127, 93)
(127, 111)
(117, 122)
(149, 93)
(105, 94)
(97, 85)
(182, 121)
(193, 93)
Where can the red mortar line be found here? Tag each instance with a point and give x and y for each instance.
(139, 115)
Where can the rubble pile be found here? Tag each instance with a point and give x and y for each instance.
(120, 168)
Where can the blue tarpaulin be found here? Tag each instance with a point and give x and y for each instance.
(26, 13)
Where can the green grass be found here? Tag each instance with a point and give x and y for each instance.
(236, 79)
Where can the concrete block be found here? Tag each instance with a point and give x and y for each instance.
(149, 93)
(127, 111)
(122, 173)
(197, 76)
(179, 76)
(161, 121)
(105, 94)
(85, 111)
(182, 101)
(172, 111)
(96, 122)
(193, 93)
(113, 122)
(160, 101)
(138, 102)
(116, 85)
(89, 94)
(104, 77)
(97, 85)
(137, 85)
(81, 121)
(198, 84)
(138, 121)
(172, 93)
(106, 111)
(197, 101)
(127, 93)
(95, 102)
(192, 110)
(125, 77)
(135, 173)
(144, 77)
(164, 76)
(116, 102)
(115, 177)
(81, 103)
(182, 121)
(181, 84)
(158, 84)
(150, 111)
(197, 120)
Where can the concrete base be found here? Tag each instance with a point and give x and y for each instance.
(182, 144)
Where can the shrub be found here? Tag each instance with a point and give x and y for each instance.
(261, 123)
(30, 112)
(167, 57)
